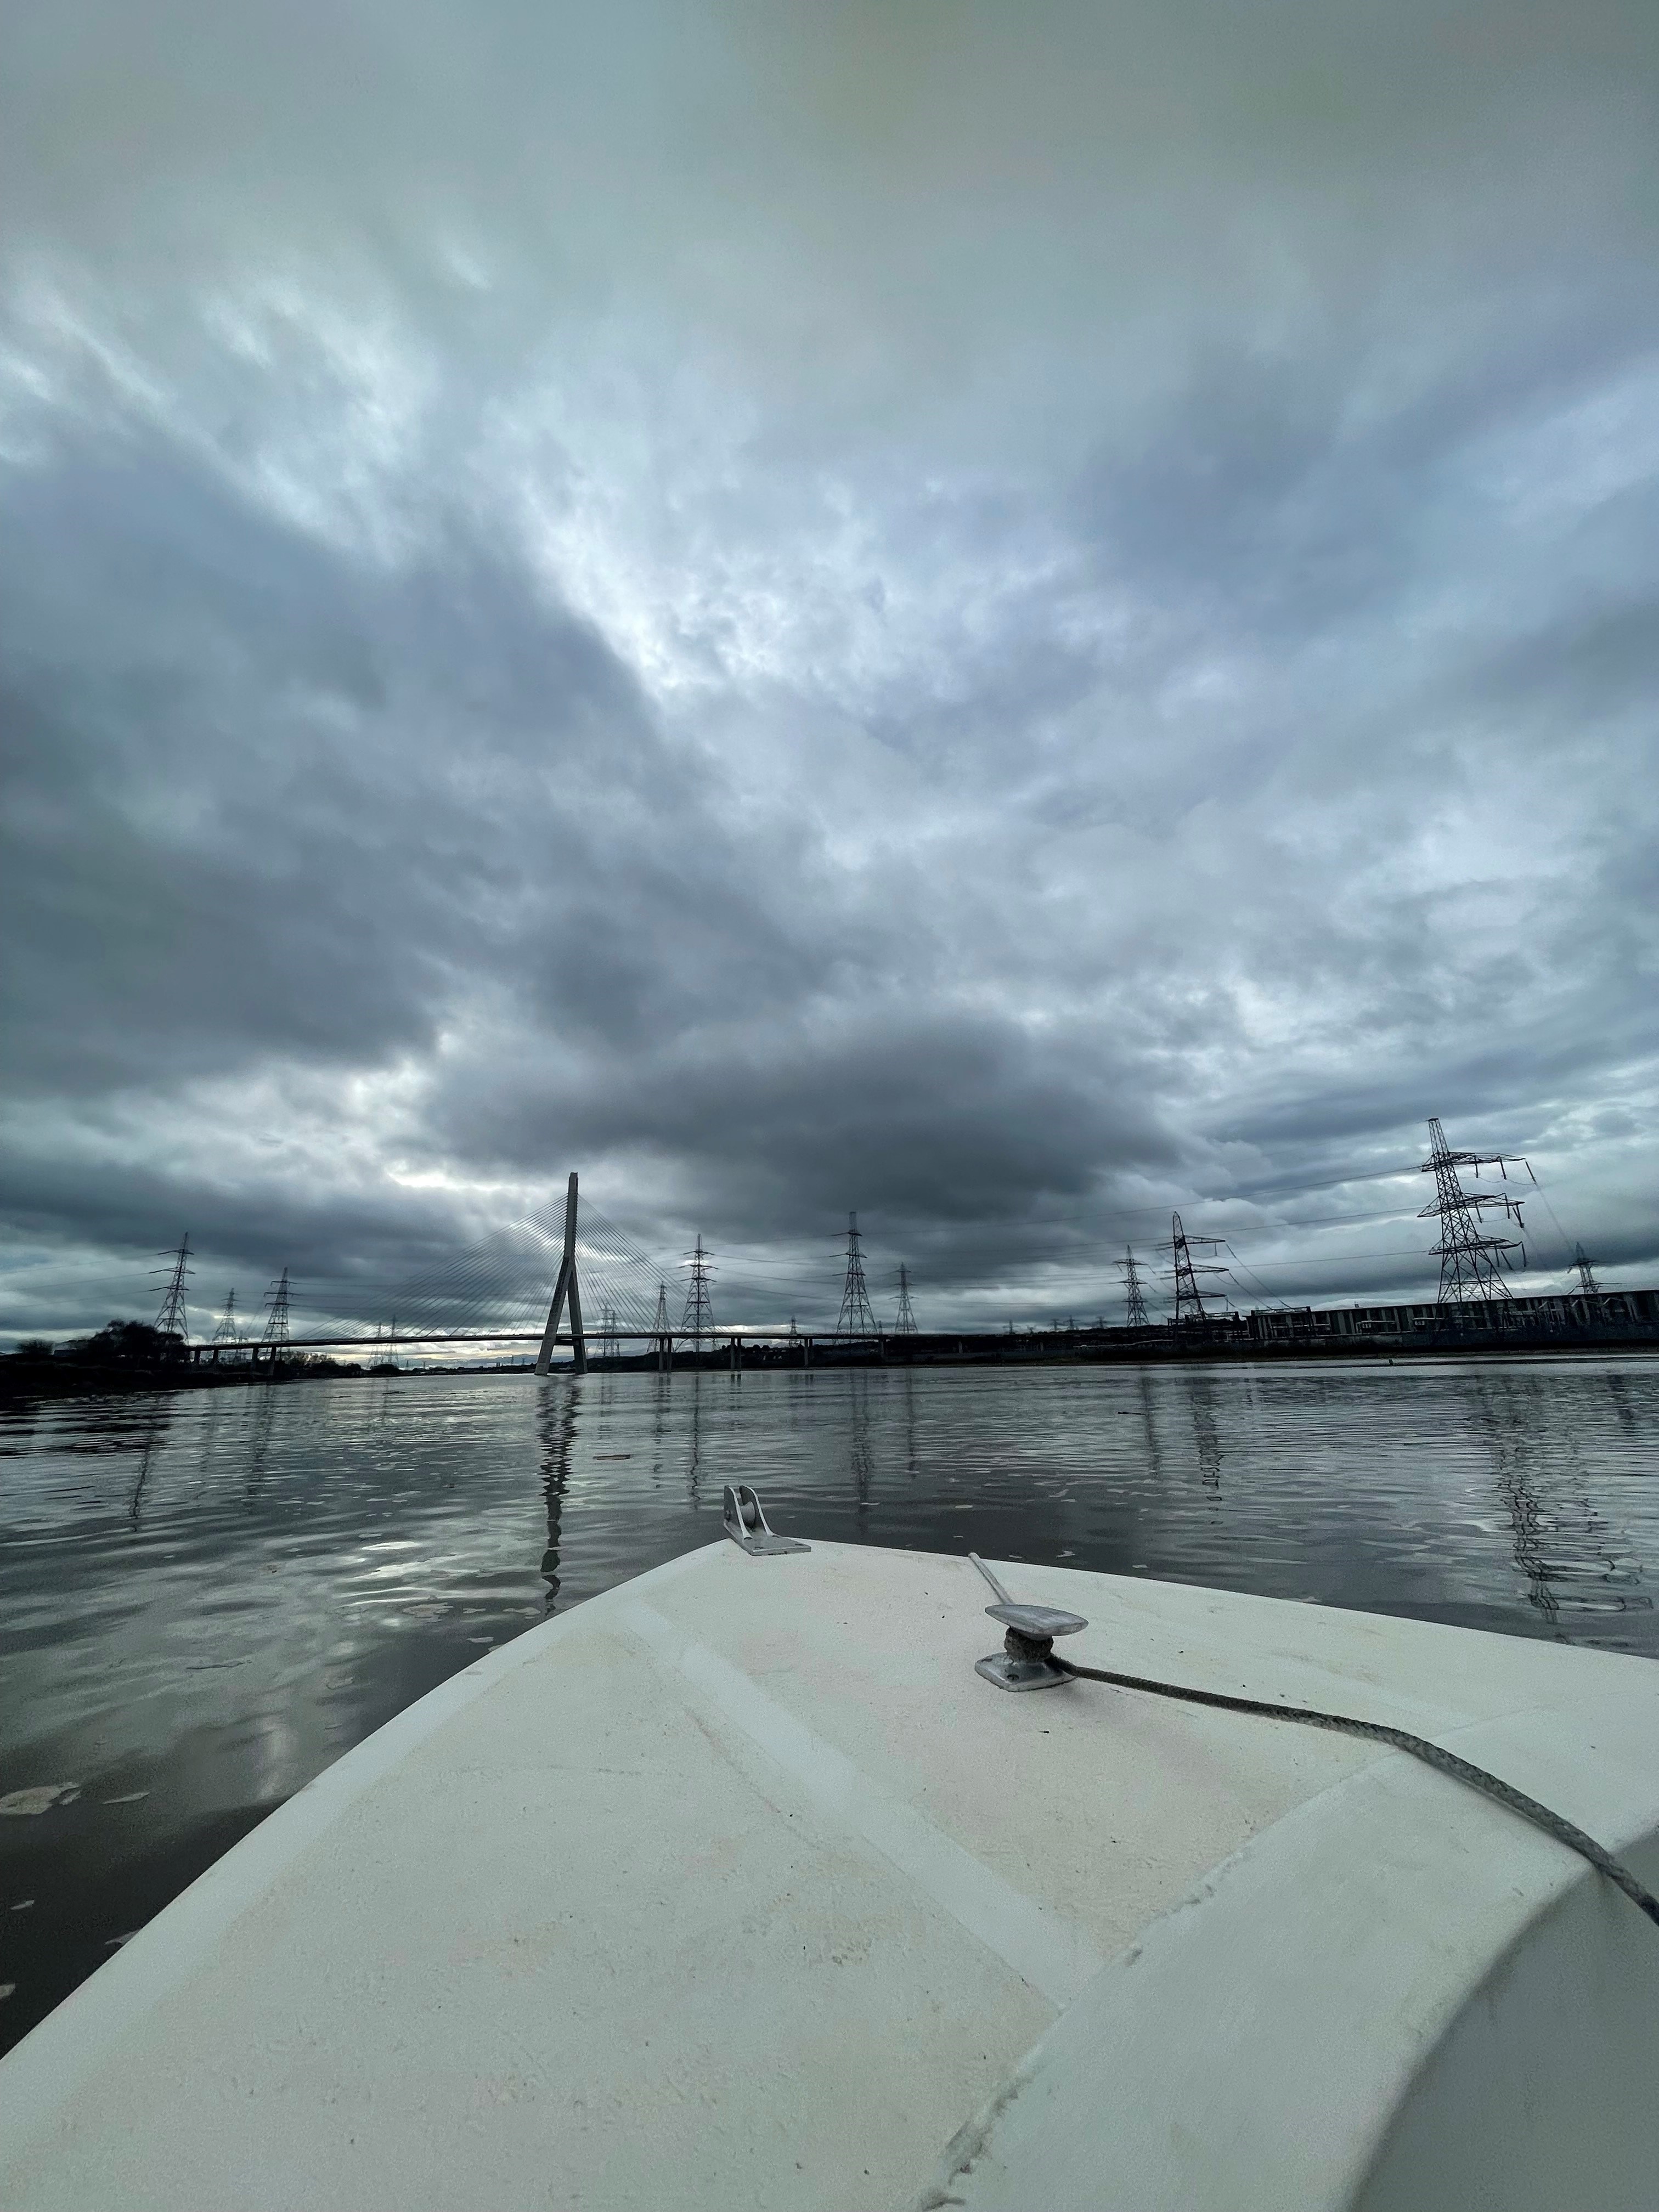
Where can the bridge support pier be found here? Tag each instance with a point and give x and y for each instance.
(566, 1288)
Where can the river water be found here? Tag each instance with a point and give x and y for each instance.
(205, 1599)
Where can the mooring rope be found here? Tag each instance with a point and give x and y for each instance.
(1431, 1755)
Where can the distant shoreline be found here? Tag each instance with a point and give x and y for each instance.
(20, 1380)
(64, 1378)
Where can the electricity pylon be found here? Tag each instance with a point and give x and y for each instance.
(1135, 1299)
(275, 1338)
(1186, 1271)
(226, 1332)
(1472, 1263)
(1586, 1271)
(905, 1322)
(857, 1317)
(697, 1321)
(172, 1320)
(566, 1288)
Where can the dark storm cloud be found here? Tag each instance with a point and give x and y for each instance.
(235, 825)
(1006, 622)
(927, 1117)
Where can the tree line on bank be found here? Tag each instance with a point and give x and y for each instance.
(137, 1346)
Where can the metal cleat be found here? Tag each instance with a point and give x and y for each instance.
(1026, 1661)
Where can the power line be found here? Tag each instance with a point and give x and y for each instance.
(1250, 1272)
(1544, 1199)
(1345, 1259)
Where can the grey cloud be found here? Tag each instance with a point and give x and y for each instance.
(926, 1115)
(1007, 624)
(1597, 660)
(236, 823)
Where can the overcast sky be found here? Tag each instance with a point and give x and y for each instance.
(1006, 616)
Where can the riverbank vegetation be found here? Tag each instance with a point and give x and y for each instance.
(134, 1355)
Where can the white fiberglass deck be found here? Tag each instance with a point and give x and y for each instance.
(738, 1886)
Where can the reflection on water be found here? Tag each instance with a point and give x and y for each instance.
(1207, 1441)
(555, 1423)
(203, 1599)
(1564, 1543)
(860, 1454)
(155, 1429)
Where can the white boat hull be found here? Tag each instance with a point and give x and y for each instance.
(738, 1885)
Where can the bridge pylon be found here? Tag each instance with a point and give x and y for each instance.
(566, 1288)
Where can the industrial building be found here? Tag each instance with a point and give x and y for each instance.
(1564, 1313)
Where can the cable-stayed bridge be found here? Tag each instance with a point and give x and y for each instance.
(607, 1291)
